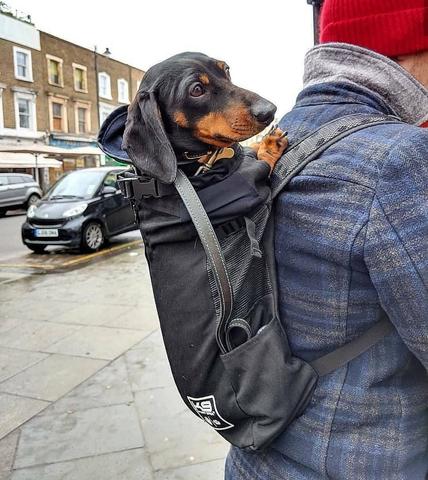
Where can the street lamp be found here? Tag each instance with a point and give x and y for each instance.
(316, 4)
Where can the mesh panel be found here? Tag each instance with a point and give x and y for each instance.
(248, 275)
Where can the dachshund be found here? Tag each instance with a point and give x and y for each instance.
(187, 110)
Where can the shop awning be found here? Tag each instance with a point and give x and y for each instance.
(26, 160)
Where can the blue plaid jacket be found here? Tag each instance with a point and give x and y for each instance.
(352, 237)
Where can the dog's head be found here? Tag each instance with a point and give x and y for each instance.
(189, 103)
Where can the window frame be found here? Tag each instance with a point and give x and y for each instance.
(29, 77)
(108, 78)
(63, 101)
(126, 98)
(59, 117)
(105, 110)
(60, 62)
(77, 66)
(32, 103)
(87, 107)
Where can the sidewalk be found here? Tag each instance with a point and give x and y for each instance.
(85, 388)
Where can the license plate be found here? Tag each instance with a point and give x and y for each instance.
(46, 232)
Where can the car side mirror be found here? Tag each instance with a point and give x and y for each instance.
(108, 190)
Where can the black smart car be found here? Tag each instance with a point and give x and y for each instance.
(82, 210)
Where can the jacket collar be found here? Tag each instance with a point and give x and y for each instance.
(366, 71)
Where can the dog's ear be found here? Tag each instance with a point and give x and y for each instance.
(145, 140)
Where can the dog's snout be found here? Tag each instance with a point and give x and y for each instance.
(264, 111)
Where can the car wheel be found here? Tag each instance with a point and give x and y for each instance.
(92, 237)
(2, 212)
(32, 200)
(37, 248)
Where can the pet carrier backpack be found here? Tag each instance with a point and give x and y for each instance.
(209, 247)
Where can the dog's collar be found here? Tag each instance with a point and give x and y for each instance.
(209, 158)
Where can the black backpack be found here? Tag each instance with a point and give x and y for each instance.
(209, 247)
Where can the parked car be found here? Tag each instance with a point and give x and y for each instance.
(83, 209)
(18, 190)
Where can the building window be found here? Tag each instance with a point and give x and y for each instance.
(25, 111)
(80, 78)
(23, 65)
(105, 110)
(81, 118)
(104, 85)
(123, 91)
(57, 116)
(55, 71)
(58, 113)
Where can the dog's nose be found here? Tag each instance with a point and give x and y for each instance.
(264, 111)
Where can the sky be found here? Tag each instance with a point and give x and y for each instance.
(264, 43)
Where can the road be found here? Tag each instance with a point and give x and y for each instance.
(14, 255)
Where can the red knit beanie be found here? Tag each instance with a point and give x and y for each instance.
(389, 27)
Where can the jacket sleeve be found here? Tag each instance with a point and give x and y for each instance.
(396, 245)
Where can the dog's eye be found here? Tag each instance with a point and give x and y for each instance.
(227, 71)
(197, 90)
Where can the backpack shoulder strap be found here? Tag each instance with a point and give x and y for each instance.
(290, 164)
(311, 146)
(342, 355)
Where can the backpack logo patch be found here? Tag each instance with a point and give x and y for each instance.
(206, 408)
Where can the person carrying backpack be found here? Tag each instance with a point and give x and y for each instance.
(351, 241)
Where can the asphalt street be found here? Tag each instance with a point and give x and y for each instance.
(15, 257)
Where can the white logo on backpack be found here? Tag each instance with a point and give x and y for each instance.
(206, 408)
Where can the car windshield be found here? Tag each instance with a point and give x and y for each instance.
(78, 184)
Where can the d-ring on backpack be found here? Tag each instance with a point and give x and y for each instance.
(213, 277)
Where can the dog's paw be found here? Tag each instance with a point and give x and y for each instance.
(272, 146)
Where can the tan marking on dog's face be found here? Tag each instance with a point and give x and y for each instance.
(220, 64)
(223, 129)
(181, 119)
(203, 77)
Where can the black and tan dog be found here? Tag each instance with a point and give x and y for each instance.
(188, 111)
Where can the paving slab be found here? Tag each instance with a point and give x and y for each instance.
(202, 471)
(7, 323)
(147, 365)
(140, 317)
(127, 465)
(13, 361)
(109, 386)
(98, 342)
(17, 410)
(181, 440)
(56, 437)
(7, 454)
(91, 314)
(33, 306)
(159, 403)
(35, 335)
(52, 377)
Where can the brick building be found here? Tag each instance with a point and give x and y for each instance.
(48, 87)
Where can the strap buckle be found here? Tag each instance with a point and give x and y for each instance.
(134, 187)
